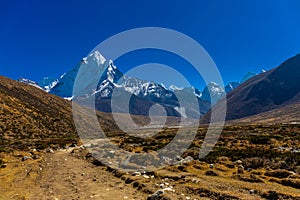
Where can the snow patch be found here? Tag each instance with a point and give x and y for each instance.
(69, 98)
(181, 111)
(174, 88)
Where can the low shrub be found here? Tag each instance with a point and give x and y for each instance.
(211, 173)
(280, 173)
(254, 162)
(291, 182)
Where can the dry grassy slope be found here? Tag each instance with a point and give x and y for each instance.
(287, 114)
(28, 113)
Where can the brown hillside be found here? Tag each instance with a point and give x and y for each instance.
(29, 114)
(287, 114)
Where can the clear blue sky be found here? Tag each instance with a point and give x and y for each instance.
(48, 38)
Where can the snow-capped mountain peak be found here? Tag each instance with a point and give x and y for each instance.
(29, 82)
(215, 88)
(95, 56)
(213, 92)
(96, 67)
(174, 88)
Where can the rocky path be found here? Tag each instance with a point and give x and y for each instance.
(62, 176)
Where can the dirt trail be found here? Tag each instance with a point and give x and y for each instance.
(62, 176)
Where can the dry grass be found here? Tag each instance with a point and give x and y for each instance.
(257, 146)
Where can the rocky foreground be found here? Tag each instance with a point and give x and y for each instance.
(72, 173)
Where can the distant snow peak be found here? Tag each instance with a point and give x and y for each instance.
(25, 80)
(174, 88)
(69, 98)
(94, 57)
(97, 57)
(94, 65)
(29, 82)
(215, 88)
(213, 92)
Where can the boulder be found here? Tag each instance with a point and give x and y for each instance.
(26, 158)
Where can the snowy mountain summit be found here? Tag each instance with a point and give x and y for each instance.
(213, 92)
(29, 82)
(109, 78)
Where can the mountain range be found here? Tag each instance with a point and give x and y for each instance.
(144, 93)
(271, 92)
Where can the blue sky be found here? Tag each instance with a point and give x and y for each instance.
(48, 38)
